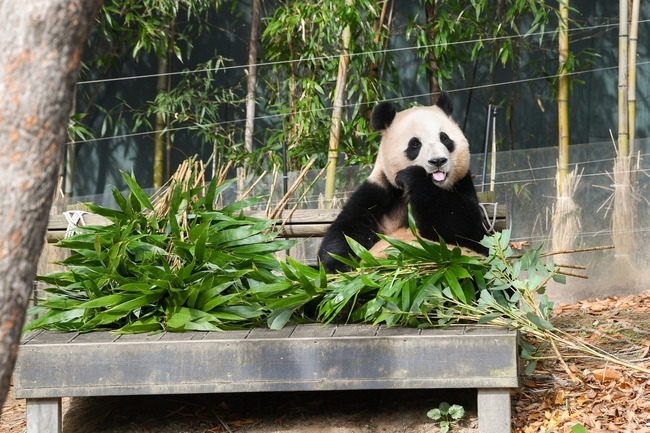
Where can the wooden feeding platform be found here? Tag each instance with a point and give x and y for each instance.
(313, 357)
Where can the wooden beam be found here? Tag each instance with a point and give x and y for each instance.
(297, 358)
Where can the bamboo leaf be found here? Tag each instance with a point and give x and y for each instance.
(279, 318)
(455, 287)
(538, 321)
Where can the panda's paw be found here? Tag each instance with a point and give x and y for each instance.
(409, 178)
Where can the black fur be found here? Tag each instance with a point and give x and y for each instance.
(359, 219)
(444, 102)
(452, 215)
(382, 116)
(413, 149)
(448, 142)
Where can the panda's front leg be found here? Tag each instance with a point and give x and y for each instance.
(412, 178)
(422, 195)
(453, 215)
(359, 219)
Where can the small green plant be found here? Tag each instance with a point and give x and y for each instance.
(446, 413)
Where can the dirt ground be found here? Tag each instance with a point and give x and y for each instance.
(604, 397)
(319, 412)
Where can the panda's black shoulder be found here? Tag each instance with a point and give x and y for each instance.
(374, 196)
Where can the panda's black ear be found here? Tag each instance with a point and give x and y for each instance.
(382, 116)
(444, 102)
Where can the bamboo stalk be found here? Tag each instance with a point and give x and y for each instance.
(623, 146)
(563, 95)
(285, 199)
(159, 138)
(339, 96)
(565, 224)
(631, 91)
(578, 250)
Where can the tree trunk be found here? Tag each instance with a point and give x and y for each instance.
(39, 63)
(251, 86)
(251, 90)
(432, 66)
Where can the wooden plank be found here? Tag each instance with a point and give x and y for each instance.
(58, 225)
(226, 335)
(302, 223)
(303, 216)
(28, 336)
(265, 333)
(43, 415)
(493, 410)
(359, 359)
(138, 338)
(52, 337)
(313, 330)
(96, 337)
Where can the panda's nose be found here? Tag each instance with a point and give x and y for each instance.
(438, 161)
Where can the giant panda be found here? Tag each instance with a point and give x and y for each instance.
(423, 160)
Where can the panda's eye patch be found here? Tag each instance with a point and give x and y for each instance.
(413, 149)
(414, 143)
(446, 141)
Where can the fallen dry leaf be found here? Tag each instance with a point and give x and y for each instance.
(604, 374)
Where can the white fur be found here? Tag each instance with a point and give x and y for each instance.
(426, 124)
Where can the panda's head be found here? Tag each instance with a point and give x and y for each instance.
(423, 136)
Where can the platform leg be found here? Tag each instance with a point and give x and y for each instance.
(494, 410)
(43, 415)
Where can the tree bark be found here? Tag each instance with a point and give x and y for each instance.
(40, 53)
(251, 91)
(432, 66)
(251, 86)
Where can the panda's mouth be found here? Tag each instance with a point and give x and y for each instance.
(438, 176)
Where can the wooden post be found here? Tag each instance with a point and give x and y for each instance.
(43, 415)
(493, 410)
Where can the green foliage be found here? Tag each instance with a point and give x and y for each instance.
(196, 104)
(133, 31)
(460, 34)
(297, 73)
(303, 42)
(192, 267)
(429, 284)
(578, 428)
(132, 28)
(446, 413)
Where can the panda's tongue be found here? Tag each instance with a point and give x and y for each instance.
(438, 176)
